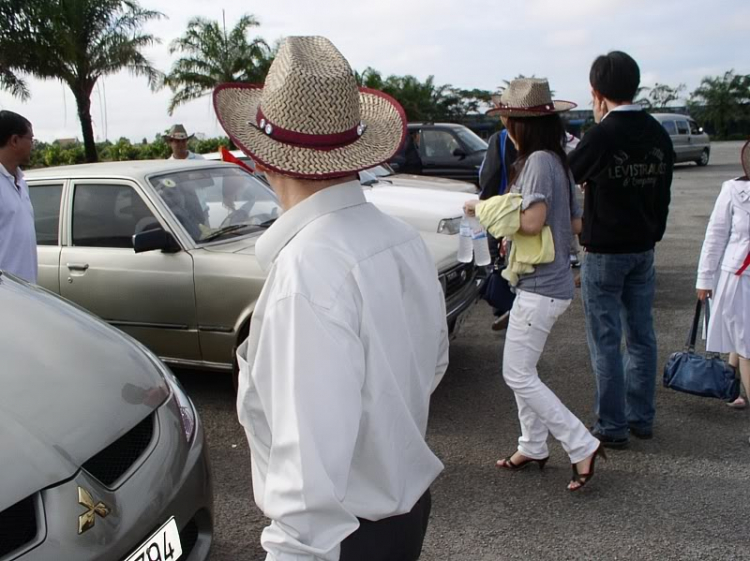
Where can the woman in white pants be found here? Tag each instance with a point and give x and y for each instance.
(543, 179)
(724, 274)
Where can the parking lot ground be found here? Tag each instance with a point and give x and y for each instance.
(685, 495)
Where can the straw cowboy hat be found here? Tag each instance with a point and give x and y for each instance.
(177, 132)
(528, 97)
(746, 158)
(310, 120)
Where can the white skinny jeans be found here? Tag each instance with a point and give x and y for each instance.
(540, 411)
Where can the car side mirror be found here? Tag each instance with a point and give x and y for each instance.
(459, 153)
(700, 130)
(156, 239)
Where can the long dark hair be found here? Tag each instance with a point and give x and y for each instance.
(536, 133)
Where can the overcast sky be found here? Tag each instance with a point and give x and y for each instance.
(469, 43)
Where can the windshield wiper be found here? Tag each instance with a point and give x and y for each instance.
(228, 230)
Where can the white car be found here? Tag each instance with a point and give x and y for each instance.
(429, 210)
(385, 173)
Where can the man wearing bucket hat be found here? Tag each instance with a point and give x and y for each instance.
(625, 162)
(178, 138)
(348, 338)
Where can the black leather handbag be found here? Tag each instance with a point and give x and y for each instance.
(706, 375)
(496, 290)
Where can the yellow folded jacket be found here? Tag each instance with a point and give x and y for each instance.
(501, 216)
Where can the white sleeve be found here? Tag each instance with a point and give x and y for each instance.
(717, 236)
(311, 368)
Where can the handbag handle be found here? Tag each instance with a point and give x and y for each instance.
(690, 343)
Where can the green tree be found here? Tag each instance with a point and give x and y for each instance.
(661, 95)
(722, 100)
(214, 56)
(77, 42)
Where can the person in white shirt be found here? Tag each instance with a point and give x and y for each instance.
(178, 139)
(348, 337)
(17, 233)
(724, 275)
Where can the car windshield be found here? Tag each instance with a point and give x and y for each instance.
(471, 140)
(217, 202)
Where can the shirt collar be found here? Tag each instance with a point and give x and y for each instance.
(294, 220)
(629, 107)
(18, 177)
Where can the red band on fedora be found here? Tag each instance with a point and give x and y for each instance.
(545, 108)
(305, 140)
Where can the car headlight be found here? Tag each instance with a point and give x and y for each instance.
(449, 226)
(187, 412)
(184, 404)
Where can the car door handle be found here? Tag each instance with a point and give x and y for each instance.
(78, 266)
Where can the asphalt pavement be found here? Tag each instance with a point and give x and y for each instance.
(683, 495)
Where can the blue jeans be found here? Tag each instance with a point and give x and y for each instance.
(618, 291)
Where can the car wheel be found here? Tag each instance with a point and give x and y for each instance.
(703, 161)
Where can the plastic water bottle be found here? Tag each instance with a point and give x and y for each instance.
(480, 244)
(465, 243)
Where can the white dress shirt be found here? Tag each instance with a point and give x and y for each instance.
(623, 108)
(17, 230)
(347, 342)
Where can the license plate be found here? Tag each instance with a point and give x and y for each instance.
(163, 545)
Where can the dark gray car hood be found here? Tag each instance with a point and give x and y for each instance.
(69, 386)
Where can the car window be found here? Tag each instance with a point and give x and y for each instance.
(109, 215)
(207, 200)
(471, 140)
(694, 128)
(682, 127)
(46, 202)
(669, 127)
(438, 144)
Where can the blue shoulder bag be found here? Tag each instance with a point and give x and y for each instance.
(706, 374)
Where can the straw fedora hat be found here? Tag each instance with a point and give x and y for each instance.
(178, 132)
(528, 97)
(310, 120)
(746, 158)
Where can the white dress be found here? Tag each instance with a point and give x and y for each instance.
(725, 249)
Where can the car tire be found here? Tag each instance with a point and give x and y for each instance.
(703, 160)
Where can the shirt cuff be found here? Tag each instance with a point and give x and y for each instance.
(705, 282)
(532, 198)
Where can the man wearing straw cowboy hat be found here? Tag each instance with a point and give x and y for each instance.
(348, 338)
(177, 138)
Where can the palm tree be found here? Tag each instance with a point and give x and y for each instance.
(76, 42)
(214, 57)
(722, 99)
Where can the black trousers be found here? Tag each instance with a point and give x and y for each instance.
(398, 538)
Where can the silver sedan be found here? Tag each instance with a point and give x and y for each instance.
(103, 454)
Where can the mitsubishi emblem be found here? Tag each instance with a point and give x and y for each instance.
(87, 520)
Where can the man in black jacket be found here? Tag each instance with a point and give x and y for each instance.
(625, 164)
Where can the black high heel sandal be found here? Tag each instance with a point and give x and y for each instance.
(583, 478)
(509, 465)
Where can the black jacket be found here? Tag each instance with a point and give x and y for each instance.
(625, 164)
(492, 169)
